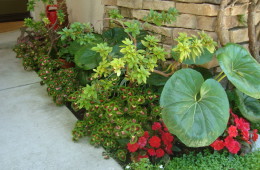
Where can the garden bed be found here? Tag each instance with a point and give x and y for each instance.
(142, 108)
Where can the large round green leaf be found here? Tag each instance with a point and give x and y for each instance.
(114, 35)
(195, 111)
(87, 59)
(241, 68)
(248, 106)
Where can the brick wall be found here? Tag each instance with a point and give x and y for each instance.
(195, 15)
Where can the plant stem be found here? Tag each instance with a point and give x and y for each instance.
(162, 73)
(218, 75)
(221, 78)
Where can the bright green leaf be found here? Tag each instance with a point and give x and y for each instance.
(248, 106)
(195, 111)
(241, 68)
(86, 58)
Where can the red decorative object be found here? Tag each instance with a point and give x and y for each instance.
(51, 12)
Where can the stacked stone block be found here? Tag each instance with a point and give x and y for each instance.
(195, 16)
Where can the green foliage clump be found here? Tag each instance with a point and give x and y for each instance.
(61, 16)
(81, 33)
(114, 114)
(136, 64)
(61, 82)
(144, 163)
(36, 26)
(192, 47)
(33, 45)
(161, 18)
(30, 51)
(31, 3)
(115, 14)
(72, 38)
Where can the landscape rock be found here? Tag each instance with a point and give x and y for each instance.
(136, 4)
(198, 9)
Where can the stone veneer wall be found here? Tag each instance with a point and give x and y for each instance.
(195, 15)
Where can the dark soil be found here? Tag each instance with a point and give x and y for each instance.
(78, 114)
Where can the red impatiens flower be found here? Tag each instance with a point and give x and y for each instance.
(156, 126)
(151, 152)
(167, 138)
(142, 141)
(218, 145)
(232, 131)
(232, 145)
(132, 147)
(168, 149)
(146, 134)
(159, 153)
(155, 142)
(255, 135)
(245, 135)
(242, 124)
(228, 140)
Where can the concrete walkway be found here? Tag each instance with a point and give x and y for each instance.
(35, 134)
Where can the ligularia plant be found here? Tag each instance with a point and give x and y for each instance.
(197, 110)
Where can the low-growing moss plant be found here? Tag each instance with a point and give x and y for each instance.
(207, 160)
(204, 160)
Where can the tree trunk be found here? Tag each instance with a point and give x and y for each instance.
(253, 46)
(222, 32)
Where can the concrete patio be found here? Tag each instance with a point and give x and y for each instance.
(34, 132)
